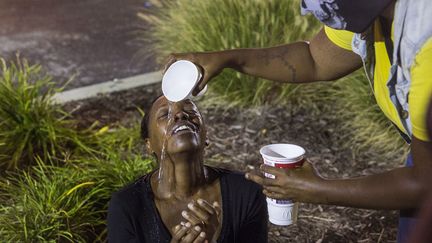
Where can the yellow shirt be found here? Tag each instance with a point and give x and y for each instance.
(421, 80)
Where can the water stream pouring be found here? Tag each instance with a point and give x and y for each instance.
(164, 179)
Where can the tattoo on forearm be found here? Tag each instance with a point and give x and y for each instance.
(265, 57)
(293, 71)
(271, 56)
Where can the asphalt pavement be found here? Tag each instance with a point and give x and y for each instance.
(93, 40)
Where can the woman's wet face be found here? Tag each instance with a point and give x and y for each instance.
(179, 123)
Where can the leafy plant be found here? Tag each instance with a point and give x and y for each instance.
(365, 126)
(122, 159)
(350, 103)
(49, 204)
(120, 139)
(52, 204)
(30, 123)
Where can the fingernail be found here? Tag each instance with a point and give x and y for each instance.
(184, 213)
(197, 228)
(177, 227)
(202, 234)
(247, 175)
(200, 201)
(190, 205)
(251, 167)
(188, 224)
(182, 223)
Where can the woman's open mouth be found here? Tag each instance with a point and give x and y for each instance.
(184, 128)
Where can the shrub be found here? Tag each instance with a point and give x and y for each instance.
(52, 204)
(48, 204)
(30, 124)
(122, 161)
(208, 25)
(364, 125)
(120, 139)
(350, 102)
(69, 203)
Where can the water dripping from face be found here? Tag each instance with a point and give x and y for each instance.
(169, 124)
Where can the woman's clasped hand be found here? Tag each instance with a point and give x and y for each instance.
(200, 217)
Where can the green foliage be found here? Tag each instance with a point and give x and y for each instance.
(52, 204)
(30, 124)
(363, 123)
(350, 102)
(121, 139)
(122, 159)
(52, 201)
(48, 204)
(209, 25)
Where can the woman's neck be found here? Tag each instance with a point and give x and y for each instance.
(178, 177)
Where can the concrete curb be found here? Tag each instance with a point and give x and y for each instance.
(107, 87)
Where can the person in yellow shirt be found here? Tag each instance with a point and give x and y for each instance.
(398, 60)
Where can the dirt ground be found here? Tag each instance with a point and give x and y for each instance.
(236, 136)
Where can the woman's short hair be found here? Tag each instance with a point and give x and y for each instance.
(144, 126)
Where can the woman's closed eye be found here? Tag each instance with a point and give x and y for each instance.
(192, 112)
(191, 109)
(162, 113)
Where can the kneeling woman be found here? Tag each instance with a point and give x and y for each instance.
(183, 200)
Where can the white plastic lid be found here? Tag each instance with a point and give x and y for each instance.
(179, 80)
(282, 151)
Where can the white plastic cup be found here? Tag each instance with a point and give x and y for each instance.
(180, 79)
(289, 156)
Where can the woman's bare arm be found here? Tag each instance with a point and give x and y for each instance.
(319, 60)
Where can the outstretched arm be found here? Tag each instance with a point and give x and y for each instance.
(400, 188)
(319, 60)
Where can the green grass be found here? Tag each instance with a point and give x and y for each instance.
(49, 204)
(122, 139)
(30, 124)
(42, 200)
(67, 204)
(350, 103)
(123, 159)
(363, 124)
(209, 25)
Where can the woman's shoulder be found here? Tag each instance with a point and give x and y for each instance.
(236, 180)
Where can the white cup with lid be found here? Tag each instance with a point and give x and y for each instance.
(180, 79)
(287, 156)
